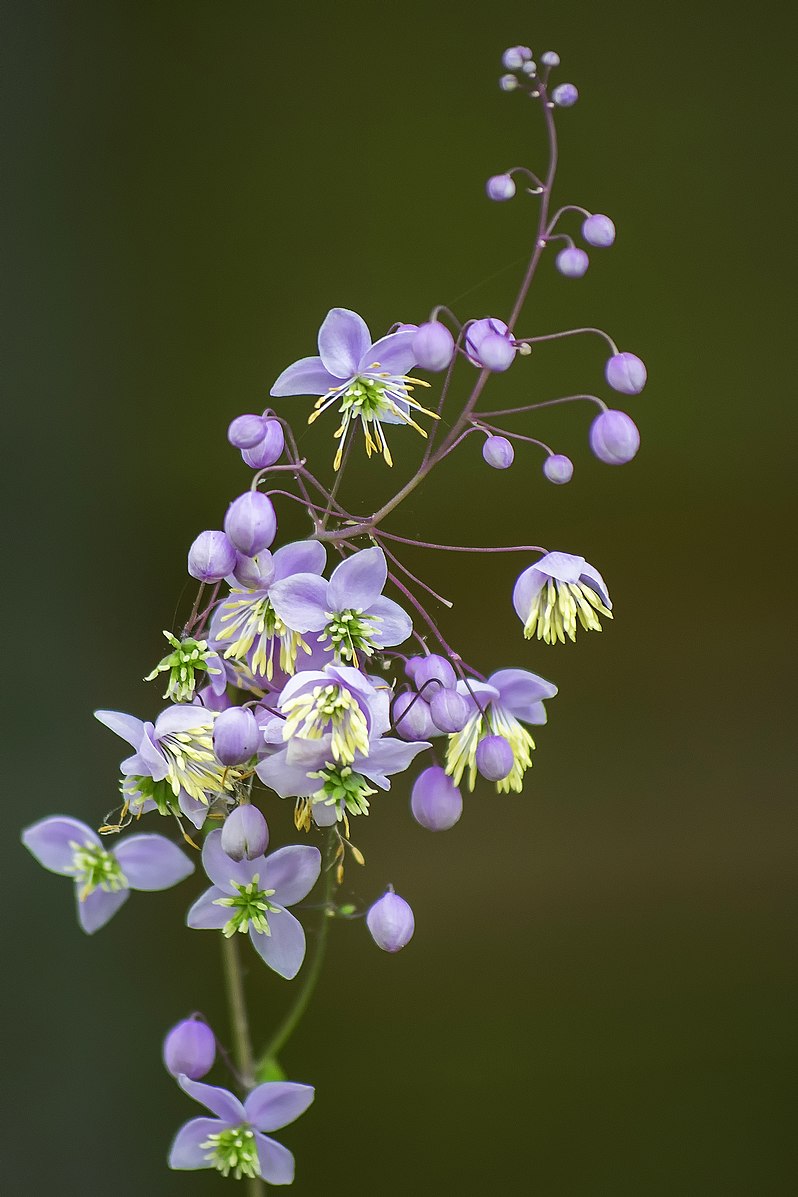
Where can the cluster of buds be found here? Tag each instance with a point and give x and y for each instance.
(297, 678)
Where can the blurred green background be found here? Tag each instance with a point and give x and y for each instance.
(600, 998)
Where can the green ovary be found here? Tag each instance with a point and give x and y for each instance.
(94, 868)
(350, 632)
(250, 905)
(343, 789)
(233, 1151)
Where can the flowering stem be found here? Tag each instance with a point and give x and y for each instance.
(315, 960)
(234, 983)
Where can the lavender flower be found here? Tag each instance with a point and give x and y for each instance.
(337, 701)
(211, 557)
(500, 187)
(435, 801)
(614, 437)
(489, 344)
(558, 468)
(368, 381)
(626, 373)
(433, 346)
(498, 707)
(390, 922)
(245, 834)
(350, 611)
(598, 230)
(572, 262)
(104, 879)
(252, 896)
(556, 593)
(269, 449)
(190, 1048)
(233, 1141)
(498, 452)
(246, 431)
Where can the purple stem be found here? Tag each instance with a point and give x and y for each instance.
(569, 332)
(460, 548)
(514, 411)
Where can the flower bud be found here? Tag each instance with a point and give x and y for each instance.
(411, 665)
(433, 346)
(211, 557)
(246, 431)
(245, 835)
(497, 352)
(598, 230)
(235, 736)
(550, 59)
(494, 758)
(433, 673)
(572, 262)
(190, 1048)
(449, 711)
(514, 58)
(435, 800)
(558, 468)
(250, 522)
(391, 923)
(565, 95)
(508, 83)
(614, 437)
(500, 187)
(530, 68)
(498, 452)
(625, 372)
(268, 450)
(489, 343)
(416, 723)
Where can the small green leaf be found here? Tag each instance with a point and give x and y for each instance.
(269, 1070)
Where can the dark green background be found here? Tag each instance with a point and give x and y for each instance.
(600, 996)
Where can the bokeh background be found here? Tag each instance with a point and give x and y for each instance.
(600, 998)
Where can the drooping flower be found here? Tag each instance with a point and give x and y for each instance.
(233, 1141)
(366, 381)
(246, 625)
(556, 593)
(350, 611)
(499, 707)
(173, 764)
(252, 896)
(337, 701)
(103, 879)
(188, 658)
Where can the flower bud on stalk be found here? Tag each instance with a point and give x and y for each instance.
(246, 431)
(558, 468)
(436, 802)
(572, 262)
(250, 522)
(498, 452)
(500, 188)
(614, 437)
(190, 1049)
(449, 711)
(494, 758)
(267, 451)
(211, 557)
(411, 717)
(626, 373)
(245, 835)
(433, 673)
(433, 346)
(236, 736)
(565, 95)
(391, 923)
(598, 230)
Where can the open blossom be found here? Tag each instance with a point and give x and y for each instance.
(103, 879)
(245, 626)
(233, 1141)
(173, 763)
(350, 611)
(252, 896)
(337, 701)
(499, 707)
(365, 381)
(555, 593)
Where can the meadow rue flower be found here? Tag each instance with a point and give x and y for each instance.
(411, 716)
(234, 1141)
(500, 187)
(365, 381)
(558, 468)
(499, 707)
(350, 611)
(246, 431)
(103, 879)
(211, 557)
(494, 758)
(432, 673)
(173, 757)
(390, 922)
(236, 736)
(269, 449)
(435, 800)
(337, 701)
(449, 710)
(626, 373)
(250, 522)
(251, 896)
(572, 262)
(489, 343)
(188, 658)
(614, 437)
(550, 58)
(556, 593)
(565, 95)
(190, 1049)
(598, 230)
(245, 834)
(246, 624)
(498, 452)
(433, 345)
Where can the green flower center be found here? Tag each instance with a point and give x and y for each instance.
(136, 790)
(364, 397)
(188, 657)
(233, 1150)
(94, 868)
(350, 632)
(249, 905)
(344, 789)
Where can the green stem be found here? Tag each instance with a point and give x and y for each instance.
(242, 1043)
(313, 965)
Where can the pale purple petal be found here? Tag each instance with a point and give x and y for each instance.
(49, 840)
(182, 717)
(592, 578)
(528, 586)
(324, 814)
(276, 1104)
(394, 354)
(95, 911)
(291, 872)
(308, 754)
(344, 339)
(223, 871)
(151, 862)
(187, 1153)
(289, 781)
(305, 377)
(564, 567)
(301, 602)
(220, 1102)
(477, 694)
(194, 810)
(149, 761)
(394, 625)
(284, 949)
(276, 1161)
(217, 677)
(520, 692)
(126, 726)
(205, 915)
(301, 557)
(358, 581)
(308, 678)
(386, 757)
